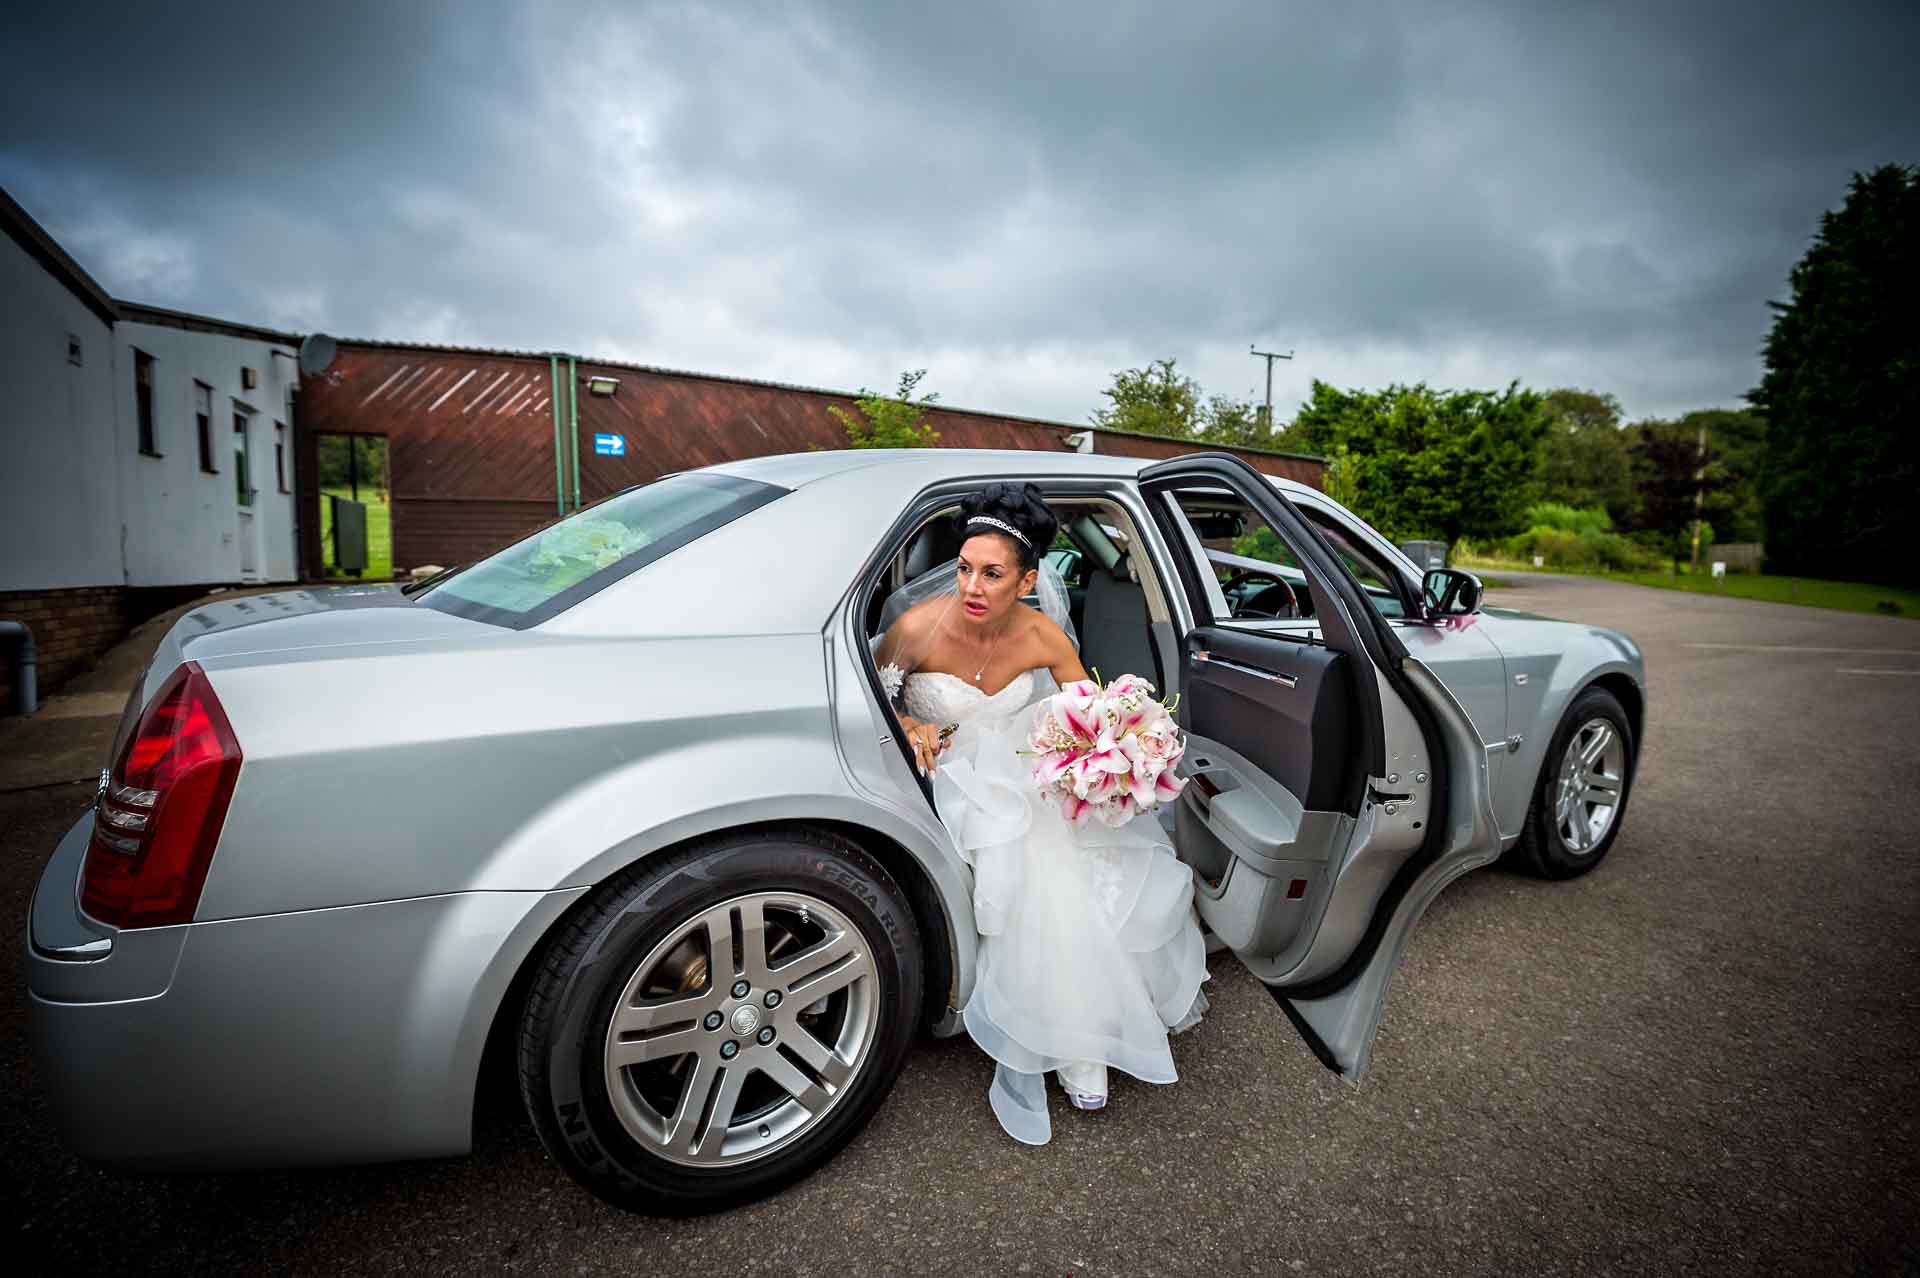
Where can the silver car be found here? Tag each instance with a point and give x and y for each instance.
(625, 802)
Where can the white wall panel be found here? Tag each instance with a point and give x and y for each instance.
(184, 524)
(59, 504)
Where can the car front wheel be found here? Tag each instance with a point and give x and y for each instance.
(1581, 794)
(717, 1024)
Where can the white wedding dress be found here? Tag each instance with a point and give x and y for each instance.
(1089, 950)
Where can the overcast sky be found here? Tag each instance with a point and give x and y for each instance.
(1021, 199)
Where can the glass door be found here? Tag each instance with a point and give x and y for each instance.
(356, 521)
(244, 531)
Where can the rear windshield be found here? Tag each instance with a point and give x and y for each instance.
(557, 567)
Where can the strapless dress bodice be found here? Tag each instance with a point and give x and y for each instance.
(937, 697)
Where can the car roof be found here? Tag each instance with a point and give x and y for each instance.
(797, 470)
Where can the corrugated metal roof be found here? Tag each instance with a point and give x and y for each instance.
(471, 437)
(731, 379)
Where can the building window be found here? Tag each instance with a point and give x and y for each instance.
(143, 401)
(75, 352)
(280, 456)
(203, 420)
(242, 473)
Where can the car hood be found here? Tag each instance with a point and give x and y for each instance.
(1518, 633)
(1514, 614)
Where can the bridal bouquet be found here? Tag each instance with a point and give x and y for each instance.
(575, 550)
(1106, 751)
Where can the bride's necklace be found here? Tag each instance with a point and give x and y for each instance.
(988, 659)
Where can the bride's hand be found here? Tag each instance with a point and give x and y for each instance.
(927, 742)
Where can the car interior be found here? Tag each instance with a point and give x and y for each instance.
(1269, 710)
(1108, 603)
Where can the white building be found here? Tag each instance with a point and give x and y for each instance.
(145, 455)
(207, 488)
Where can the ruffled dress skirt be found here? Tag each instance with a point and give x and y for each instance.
(1089, 951)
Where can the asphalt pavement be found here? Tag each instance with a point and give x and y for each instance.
(1699, 1059)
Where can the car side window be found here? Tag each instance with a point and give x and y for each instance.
(1258, 575)
(1069, 562)
(1375, 578)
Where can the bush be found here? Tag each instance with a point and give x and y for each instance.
(1573, 519)
(1621, 554)
(899, 422)
(1558, 547)
(1594, 548)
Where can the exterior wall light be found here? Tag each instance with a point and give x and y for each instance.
(602, 385)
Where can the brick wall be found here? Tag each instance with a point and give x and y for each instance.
(450, 531)
(70, 629)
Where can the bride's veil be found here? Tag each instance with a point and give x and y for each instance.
(1049, 595)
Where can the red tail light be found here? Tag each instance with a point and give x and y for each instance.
(161, 808)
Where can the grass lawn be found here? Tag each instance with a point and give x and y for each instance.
(1846, 596)
(379, 533)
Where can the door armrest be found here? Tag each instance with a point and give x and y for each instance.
(1253, 825)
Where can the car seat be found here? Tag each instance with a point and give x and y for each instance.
(1117, 637)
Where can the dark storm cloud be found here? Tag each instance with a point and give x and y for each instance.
(1023, 199)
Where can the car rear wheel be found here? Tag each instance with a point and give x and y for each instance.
(1581, 794)
(717, 1024)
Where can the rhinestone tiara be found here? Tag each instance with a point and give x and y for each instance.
(1003, 526)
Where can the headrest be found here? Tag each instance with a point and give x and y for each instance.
(935, 544)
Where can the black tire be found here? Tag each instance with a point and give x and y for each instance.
(1543, 851)
(564, 1028)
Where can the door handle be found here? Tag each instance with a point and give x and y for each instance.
(1227, 663)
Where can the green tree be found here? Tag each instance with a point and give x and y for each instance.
(1341, 479)
(1737, 441)
(896, 422)
(1669, 468)
(1421, 462)
(1234, 423)
(1155, 400)
(1584, 460)
(347, 460)
(1842, 386)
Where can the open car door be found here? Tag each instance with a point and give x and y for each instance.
(1336, 785)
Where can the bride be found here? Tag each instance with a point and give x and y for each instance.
(1089, 953)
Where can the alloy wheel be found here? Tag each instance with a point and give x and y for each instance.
(742, 1029)
(1591, 779)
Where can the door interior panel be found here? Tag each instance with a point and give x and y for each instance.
(1270, 746)
(1263, 862)
(1286, 706)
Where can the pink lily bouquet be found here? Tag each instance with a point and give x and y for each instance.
(1106, 752)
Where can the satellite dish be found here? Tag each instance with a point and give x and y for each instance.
(316, 352)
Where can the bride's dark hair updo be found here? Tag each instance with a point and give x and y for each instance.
(1017, 504)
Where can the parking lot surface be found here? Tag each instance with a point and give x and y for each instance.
(1699, 1059)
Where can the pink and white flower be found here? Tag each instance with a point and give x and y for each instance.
(1106, 753)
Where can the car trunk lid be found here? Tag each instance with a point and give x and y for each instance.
(294, 620)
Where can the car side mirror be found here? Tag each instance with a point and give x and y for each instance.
(1448, 592)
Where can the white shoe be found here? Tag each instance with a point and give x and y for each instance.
(1085, 1083)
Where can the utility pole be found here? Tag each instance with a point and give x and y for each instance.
(1699, 493)
(1266, 414)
